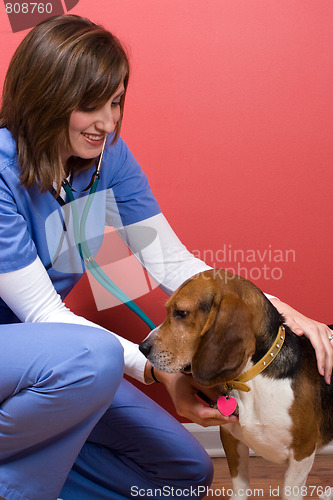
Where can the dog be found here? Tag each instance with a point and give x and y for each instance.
(224, 331)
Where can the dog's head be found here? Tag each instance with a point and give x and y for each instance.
(209, 329)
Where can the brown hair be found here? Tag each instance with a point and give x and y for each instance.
(64, 63)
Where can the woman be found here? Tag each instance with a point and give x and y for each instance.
(69, 425)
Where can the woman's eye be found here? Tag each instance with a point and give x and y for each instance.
(88, 109)
(180, 314)
(115, 103)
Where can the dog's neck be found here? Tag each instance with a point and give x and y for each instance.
(239, 383)
(287, 362)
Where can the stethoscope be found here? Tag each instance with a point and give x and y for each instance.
(83, 248)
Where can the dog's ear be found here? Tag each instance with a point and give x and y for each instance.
(226, 343)
(212, 305)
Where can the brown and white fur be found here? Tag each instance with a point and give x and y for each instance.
(218, 325)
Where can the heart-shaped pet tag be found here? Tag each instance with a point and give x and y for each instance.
(226, 405)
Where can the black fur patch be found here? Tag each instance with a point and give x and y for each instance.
(206, 305)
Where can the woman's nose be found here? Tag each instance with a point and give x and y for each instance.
(108, 118)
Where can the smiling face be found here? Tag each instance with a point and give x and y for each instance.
(89, 126)
(66, 63)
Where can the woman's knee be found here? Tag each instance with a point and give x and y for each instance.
(87, 362)
(61, 359)
(101, 361)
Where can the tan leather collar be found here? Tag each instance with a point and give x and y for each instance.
(239, 382)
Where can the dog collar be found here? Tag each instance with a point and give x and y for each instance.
(239, 383)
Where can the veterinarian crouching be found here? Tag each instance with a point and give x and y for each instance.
(70, 426)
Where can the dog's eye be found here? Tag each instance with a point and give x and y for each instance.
(180, 314)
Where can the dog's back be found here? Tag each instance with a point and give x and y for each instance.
(312, 407)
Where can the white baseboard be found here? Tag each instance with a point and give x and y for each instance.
(209, 438)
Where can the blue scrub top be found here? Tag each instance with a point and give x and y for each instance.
(30, 220)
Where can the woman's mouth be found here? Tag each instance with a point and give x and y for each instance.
(94, 139)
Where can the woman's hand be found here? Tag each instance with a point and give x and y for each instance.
(183, 389)
(317, 333)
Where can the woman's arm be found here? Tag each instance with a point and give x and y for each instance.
(169, 263)
(160, 251)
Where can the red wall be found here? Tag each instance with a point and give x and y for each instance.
(229, 111)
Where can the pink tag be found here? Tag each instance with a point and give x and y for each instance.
(226, 405)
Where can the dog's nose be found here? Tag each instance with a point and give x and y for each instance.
(145, 347)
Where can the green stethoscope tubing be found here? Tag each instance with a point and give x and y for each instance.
(84, 251)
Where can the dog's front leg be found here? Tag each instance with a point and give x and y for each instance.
(295, 478)
(237, 454)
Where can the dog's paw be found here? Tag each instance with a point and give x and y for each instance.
(241, 489)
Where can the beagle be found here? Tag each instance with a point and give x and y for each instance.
(222, 329)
